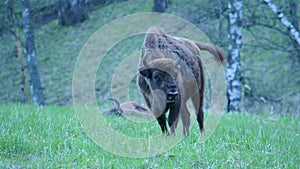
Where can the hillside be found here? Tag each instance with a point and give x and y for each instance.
(271, 77)
(57, 50)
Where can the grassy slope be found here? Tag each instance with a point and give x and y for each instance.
(57, 50)
(33, 137)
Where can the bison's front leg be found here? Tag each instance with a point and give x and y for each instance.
(173, 116)
(162, 123)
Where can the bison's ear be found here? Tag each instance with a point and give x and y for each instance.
(146, 72)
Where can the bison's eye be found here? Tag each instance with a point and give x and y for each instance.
(156, 77)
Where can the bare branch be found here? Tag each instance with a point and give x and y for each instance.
(270, 45)
(12, 32)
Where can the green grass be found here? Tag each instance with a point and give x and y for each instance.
(52, 137)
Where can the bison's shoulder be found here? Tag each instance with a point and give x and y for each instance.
(155, 30)
(189, 44)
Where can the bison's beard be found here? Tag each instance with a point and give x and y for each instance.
(159, 102)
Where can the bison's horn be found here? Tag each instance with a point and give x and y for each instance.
(146, 64)
(117, 104)
(177, 61)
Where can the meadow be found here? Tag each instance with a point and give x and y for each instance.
(265, 135)
(52, 137)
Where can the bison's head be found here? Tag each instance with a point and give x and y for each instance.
(161, 73)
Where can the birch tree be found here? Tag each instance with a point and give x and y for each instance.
(233, 65)
(35, 83)
(280, 15)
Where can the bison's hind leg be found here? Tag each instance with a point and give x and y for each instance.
(198, 105)
(185, 117)
(200, 119)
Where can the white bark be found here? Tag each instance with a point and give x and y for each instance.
(284, 20)
(233, 66)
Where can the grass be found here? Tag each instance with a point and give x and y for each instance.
(52, 137)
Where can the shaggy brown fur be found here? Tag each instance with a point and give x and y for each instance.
(160, 51)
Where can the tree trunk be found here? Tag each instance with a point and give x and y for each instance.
(12, 18)
(35, 83)
(293, 12)
(222, 31)
(160, 5)
(295, 22)
(233, 65)
(295, 34)
(24, 88)
(71, 12)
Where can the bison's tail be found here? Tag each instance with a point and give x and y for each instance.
(213, 50)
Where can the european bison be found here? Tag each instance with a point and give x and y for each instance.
(128, 108)
(171, 72)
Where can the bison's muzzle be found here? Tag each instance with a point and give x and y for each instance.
(172, 95)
